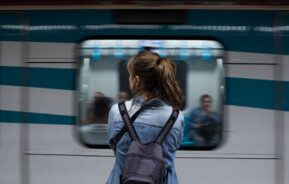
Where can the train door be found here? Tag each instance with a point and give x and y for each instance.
(286, 96)
(281, 32)
(12, 54)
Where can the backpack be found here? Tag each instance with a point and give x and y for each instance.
(144, 162)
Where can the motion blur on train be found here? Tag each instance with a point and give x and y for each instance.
(63, 67)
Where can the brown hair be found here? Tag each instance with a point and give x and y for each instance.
(157, 77)
(205, 96)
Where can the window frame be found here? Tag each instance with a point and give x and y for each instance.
(224, 124)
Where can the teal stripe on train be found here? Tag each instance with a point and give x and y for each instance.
(54, 78)
(35, 118)
(264, 94)
(250, 38)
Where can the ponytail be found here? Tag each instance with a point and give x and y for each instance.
(157, 77)
(167, 83)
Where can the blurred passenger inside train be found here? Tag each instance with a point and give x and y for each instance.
(93, 130)
(153, 83)
(99, 108)
(204, 123)
(122, 96)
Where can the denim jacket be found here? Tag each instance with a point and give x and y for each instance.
(148, 124)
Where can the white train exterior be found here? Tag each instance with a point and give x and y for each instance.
(39, 143)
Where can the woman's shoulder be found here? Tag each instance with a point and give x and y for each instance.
(179, 123)
(180, 120)
(161, 113)
(114, 108)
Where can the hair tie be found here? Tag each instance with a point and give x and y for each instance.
(159, 60)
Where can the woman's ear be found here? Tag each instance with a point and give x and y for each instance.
(136, 80)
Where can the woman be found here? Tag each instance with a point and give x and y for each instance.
(151, 77)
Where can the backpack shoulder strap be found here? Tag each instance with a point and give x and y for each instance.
(115, 140)
(169, 124)
(127, 121)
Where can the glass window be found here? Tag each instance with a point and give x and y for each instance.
(103, 81)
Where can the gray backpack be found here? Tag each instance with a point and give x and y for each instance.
(144, 162)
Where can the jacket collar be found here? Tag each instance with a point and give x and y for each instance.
(154, 102)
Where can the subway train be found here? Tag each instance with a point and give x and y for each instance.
(55, 61)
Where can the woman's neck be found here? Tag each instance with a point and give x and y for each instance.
(147, 95)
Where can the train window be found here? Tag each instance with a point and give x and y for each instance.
(103, 81)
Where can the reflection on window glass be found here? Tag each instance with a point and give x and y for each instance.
(103, 81)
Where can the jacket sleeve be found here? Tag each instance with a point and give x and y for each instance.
(176, 134)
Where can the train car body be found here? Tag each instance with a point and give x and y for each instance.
(38, 91)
